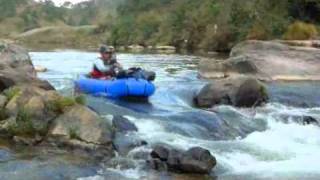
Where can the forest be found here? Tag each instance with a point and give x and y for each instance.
(214, 25)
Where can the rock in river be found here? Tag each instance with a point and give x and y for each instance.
(240, 92)
(196, 160)
(122, 124)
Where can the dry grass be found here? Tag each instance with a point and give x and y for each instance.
(301, 31)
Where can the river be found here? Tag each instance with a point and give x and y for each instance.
(262, 143)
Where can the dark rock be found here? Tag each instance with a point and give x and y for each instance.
(122, 124)
(240, 92)
(309, 120)
(5, 83)
(157, 164)
(197, 160)
(160, 152)
(174, 160)
(250, 93)
(303, 120)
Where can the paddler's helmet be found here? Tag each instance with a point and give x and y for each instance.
(106, 49)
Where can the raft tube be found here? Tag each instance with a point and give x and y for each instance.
(117, 88)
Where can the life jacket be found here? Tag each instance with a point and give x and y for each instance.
(103, 69)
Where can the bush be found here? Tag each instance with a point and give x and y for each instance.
(12, 92)
(3, 114)
(257, 32)
(81, 100)
(23, 124)
(301, 31)
(73, 133)
(59, 105)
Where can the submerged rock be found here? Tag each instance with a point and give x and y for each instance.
(240, 92)
(195, 160)
(309, 120)
(122, 124)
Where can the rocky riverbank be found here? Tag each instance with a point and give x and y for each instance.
(33, 113)
(238, 80)
(267, 61)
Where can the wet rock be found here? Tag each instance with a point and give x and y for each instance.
(124, 143)
(174, 160)
(299, 119)
(121, 163)
(139, 154)
(157, 164)
(240, 92)
(122, 124)
(195, 160)
(250, 93)
(309, 120)
(160, 152)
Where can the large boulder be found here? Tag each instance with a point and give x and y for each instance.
(240, 92)
(81, 123)
(195, 160)
(16, 68)
(266, 60)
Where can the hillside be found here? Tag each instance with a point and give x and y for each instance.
(209, 25)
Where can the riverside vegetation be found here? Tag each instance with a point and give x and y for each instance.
(211, 25)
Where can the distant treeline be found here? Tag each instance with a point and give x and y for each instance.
(212, 24)
(186, 24)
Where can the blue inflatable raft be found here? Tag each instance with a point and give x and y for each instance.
(117, 88)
